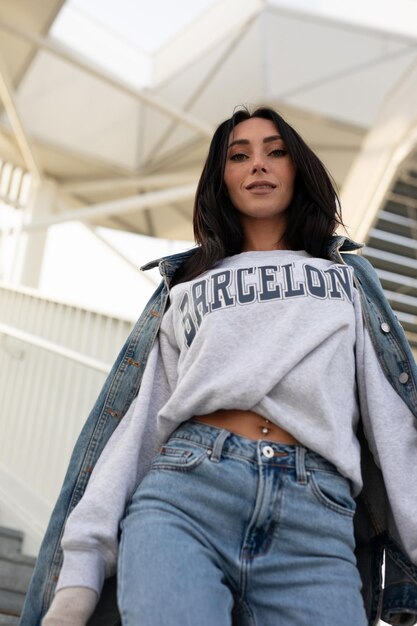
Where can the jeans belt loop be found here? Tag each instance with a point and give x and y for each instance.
(300, 466)
(218, 445)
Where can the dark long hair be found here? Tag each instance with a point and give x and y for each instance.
(312, 216)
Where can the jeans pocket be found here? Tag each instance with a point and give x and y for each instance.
(179, 456)
(333, 491)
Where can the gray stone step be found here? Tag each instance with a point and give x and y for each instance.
(15, 573)
(10, 541)
(8, 620)
(11, 602)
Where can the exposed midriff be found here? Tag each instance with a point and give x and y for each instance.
(247, 424)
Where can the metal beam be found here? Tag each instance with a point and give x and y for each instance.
(214, 26)
(153, 181)
(65, 53)
(55, 348)
(122, 205)
(204, 82)
(7, 95)
(124, 258)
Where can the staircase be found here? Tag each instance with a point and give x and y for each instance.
(15, 572)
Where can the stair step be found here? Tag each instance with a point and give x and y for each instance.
(8, 620)
(20, 559)
(10, 541)
(11, 602)
(15, 573)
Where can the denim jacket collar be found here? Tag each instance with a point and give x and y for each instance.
(170, 263)
(338, 244)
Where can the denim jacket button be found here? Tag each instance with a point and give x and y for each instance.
(403, 378)
(385, 327)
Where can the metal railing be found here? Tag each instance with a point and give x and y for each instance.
(53, 361)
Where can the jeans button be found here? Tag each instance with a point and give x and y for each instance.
(268, 451)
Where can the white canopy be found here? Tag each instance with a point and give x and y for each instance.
(101, 138)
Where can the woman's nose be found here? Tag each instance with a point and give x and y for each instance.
(258, 165)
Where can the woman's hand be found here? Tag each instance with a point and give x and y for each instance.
(71, 606)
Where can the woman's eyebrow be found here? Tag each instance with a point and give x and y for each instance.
(272, 138)
(246, 142)
(238, 142)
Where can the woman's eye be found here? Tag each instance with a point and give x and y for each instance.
(239, 156)
(279, 152)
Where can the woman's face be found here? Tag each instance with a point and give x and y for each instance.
(259, 173)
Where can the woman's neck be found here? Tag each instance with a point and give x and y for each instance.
(263, 235)
(267, 243)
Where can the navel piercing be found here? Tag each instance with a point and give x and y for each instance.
(265, 429)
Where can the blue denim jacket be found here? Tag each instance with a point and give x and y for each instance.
(398, 600)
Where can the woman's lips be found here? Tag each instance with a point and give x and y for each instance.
(260, 190)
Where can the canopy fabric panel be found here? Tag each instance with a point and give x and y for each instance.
(328, 77)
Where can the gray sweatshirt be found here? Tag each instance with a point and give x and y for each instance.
(276, 332)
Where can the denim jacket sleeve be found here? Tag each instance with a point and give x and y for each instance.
(117, 394)
(383, 507)
(391, 432)
(90, 540)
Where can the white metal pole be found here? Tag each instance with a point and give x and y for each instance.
(27, 265)
(7, 96)
(115, 207)
(120, 254)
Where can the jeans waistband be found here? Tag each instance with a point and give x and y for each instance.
(219, 441)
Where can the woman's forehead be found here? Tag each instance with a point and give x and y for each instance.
(253, 128)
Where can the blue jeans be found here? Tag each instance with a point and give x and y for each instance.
(225, 530)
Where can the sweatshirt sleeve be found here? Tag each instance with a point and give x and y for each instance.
(90, 539)
(391, 432)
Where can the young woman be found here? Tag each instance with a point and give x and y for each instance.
(228, 491)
